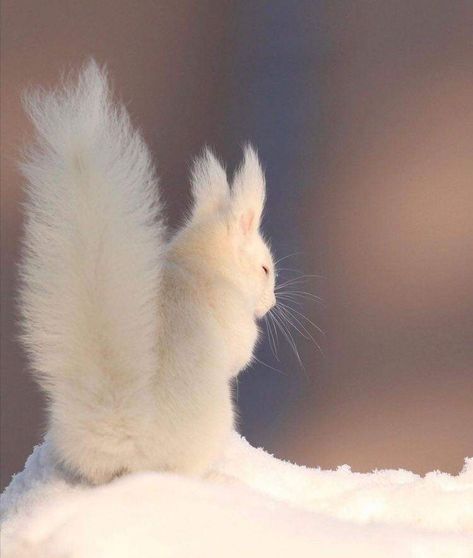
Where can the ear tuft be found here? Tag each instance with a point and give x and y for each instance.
(209, 184)
(249, 191)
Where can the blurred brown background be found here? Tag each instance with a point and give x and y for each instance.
(363, 115)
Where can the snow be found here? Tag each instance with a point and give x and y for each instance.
(250, 505)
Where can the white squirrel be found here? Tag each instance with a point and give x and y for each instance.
(134, 338)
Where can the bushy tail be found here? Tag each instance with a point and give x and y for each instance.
(92, 253)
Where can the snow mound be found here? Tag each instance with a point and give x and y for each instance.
(250, 505)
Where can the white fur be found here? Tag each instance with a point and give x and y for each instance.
(135, 340)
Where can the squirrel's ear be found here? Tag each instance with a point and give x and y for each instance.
(248, 192)
(209, 185)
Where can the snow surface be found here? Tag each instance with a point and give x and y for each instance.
(251, 505)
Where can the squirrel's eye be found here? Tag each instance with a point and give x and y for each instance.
(266, 270)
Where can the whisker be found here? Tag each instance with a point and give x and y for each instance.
(287, 334)
(268, 366)
(271, 319)
(279, 323)
(304, 317)
(309, 336)
(293, 270)
(298, 271)
(285, 257)
(290, 311)
(300, 278)
(289, 298)
(287, 314)
(289, 269)
(272, 345)
(274, 337)
(294, 280)
(289, 318)
(284, 323)
(301, 294)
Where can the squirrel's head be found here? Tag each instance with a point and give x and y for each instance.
(225, 227)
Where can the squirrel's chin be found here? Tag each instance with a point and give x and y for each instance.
(260, 313)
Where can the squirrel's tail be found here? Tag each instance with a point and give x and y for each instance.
(90, 271)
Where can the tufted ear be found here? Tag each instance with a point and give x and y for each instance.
(209, 185)
(248, 192)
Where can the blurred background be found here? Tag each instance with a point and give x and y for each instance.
(362, 113)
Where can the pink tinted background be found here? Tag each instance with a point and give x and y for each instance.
(363, 116)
